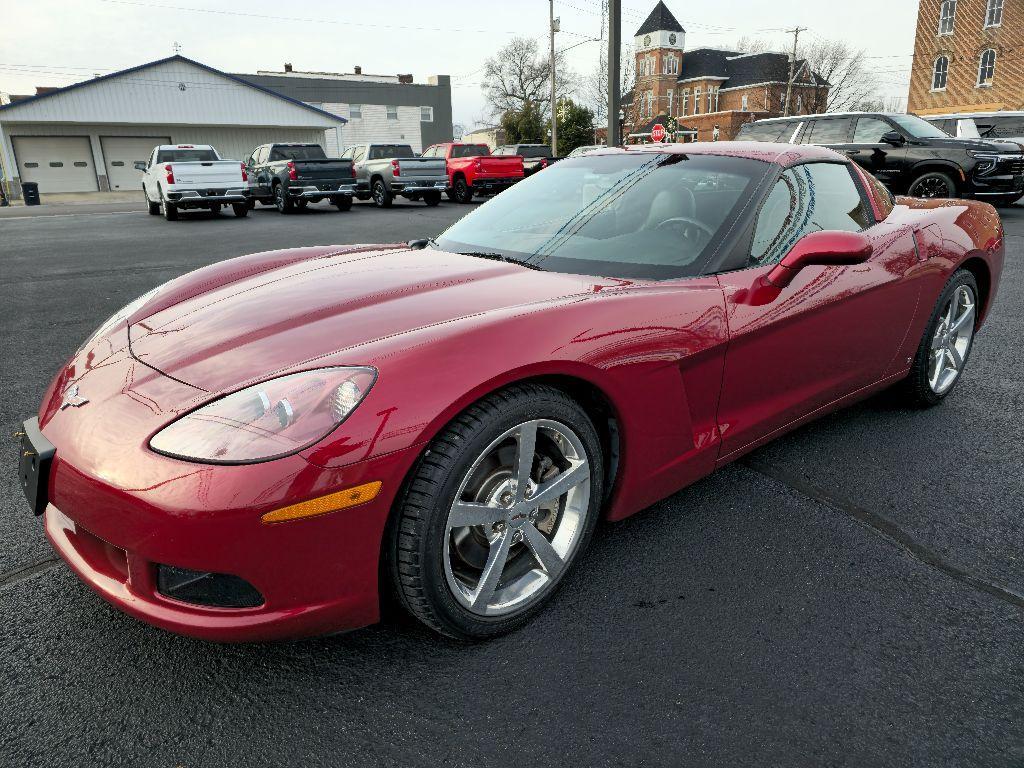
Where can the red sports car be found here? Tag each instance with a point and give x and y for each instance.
(269, 446)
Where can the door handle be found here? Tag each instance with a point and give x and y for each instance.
(851, 152)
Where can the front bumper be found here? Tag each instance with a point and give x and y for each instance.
(316, 575)
(1002, 175)
(320, 192)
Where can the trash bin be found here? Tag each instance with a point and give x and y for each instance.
(30, 192)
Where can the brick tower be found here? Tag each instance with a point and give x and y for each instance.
(659, 58)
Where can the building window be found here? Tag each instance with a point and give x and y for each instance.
(696, 101)
(987, 68)
(799, 103)
(392, 113)
(686, 101)
(715, 134)
(744, 104)
(940, 73)
(994, 13)
(712, 99)
(355, 111)
(671, 95)
(670, 65)
(947, 17)
(426, 114)
(649, 104)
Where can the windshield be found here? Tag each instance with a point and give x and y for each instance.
(918, 128)
(384, 151)
(470, 150)
(630, 214)
(186, 156)
(306, 152)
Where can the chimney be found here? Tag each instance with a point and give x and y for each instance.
(405, 79)
(287, 67)
(358, 70)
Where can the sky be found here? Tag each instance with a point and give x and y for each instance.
(59, 42)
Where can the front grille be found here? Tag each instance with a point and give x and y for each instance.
(214, 590)
(1013, 166)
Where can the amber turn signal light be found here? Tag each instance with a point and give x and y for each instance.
(332, 502)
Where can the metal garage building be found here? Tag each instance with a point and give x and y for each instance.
(86, 137)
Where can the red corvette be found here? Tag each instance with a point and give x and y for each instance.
(267, 446)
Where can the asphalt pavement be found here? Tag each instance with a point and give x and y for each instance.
(852, 594)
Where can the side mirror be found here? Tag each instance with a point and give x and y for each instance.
(893, 137)
(140, 165)
(821, 248)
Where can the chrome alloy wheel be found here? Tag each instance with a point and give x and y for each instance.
(952, 340)
(518, 517)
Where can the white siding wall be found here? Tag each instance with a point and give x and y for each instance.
(374, 126)
(154, 95)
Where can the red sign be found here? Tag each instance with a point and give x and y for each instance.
(658, 132)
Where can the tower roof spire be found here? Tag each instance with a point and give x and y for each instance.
(661, 19)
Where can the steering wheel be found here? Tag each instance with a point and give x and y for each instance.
(687, 227)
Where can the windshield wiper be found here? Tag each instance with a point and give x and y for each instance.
(499, 257)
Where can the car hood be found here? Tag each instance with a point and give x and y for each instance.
(263, 319)
(976, 145)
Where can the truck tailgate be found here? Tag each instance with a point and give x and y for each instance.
(215, 173)
(501, 165)
(323, 169)
(422, 168)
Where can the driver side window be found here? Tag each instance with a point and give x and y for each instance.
(806, 198)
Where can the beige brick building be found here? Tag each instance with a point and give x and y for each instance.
(968, 56)
(708, 92)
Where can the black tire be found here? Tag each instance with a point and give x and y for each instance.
(450, 192)
(169, 210)
(215, 209)
(916, 389)
(343, 203)
(154, 208)
(417, 530)
(282, 202)
(462, 192)
(241, 210)
(933, 184)
(250, 203)
(382, 197)
(432, 198)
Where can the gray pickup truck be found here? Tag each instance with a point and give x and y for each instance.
(386, 170)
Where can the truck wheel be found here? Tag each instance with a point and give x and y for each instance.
(281, 200)
(932, 185)
(463, 194)
(154, 208)
(169, 210)
(432, 198)
(382, 198)
(241, 210)
(343, 203)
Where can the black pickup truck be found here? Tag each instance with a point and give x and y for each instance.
(536, 157)
(290, 176)
(907, 154)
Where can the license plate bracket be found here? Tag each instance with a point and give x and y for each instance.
(35, 460)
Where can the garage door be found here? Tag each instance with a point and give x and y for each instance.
(56, 163)
(121, 153)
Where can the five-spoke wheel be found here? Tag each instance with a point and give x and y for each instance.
(497, 512)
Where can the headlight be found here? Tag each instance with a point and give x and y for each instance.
(269, 420)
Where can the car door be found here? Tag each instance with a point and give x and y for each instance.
(261, 175)
(833, 331)
(359, 156)
(886, 162)
(831, 132)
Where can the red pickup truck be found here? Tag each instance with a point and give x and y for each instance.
(473, 171)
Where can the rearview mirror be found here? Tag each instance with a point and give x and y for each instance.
(821, 248)
(140, 165)
(893, 137)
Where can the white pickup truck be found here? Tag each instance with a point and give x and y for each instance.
(183, 176)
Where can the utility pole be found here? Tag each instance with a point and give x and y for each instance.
(554, 121)
(795, 32)
(614, 53)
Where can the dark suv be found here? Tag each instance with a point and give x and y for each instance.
(906, 153)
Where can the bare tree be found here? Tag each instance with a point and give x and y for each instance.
(849, 82)
(518, 73)
(748, 44)
(595, 85)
